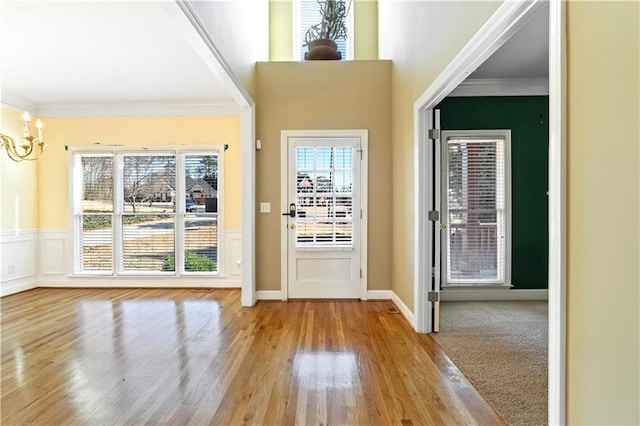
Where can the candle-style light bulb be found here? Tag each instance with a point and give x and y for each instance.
(39, 126)
(27, 128)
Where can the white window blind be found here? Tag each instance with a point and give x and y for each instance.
(307, 14)
(93, 213)
(201, 223)
(324, 196)
(130, 207)
(476, 210)
(148, 226)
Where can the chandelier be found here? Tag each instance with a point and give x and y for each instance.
(25, 150)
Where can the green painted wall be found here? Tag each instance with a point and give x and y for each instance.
(528, 119)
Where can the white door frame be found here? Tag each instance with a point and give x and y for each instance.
(363, 135)
(505, 22)
(190, 26)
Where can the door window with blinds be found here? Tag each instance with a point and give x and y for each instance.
(306, 13)
(145, 212)
(476, 207)
(324, 196)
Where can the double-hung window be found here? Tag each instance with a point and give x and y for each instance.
(146, 212)
(306, 13)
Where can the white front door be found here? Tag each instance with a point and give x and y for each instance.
(323, 214)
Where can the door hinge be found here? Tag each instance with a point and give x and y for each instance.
(434, 133)
(360, 213)
(433, 296)
(360, 151)
(433, 215)
(433, 271)
(360, 272)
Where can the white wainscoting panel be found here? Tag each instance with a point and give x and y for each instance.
(233, 255)
(53, 254)
(18, 261)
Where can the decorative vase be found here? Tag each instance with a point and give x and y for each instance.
(323, 49)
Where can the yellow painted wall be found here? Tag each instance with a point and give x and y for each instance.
(147, 131)
(365, 30)
(603, 280)
(280, 30)
(419, 53)
(324, 95)
(19, 181)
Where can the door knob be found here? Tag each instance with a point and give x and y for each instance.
(443, 226)
(291, 212)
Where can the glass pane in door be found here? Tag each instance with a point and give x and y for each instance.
(324, 196)
(475, 208)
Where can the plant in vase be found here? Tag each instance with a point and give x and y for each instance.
(321, 38)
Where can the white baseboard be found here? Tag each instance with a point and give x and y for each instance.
(17, 286)
(489, 294)
(140, 282)
(379, 295)
(268, 295)
(404, 309)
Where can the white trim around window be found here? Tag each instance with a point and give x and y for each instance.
(166, 202)
(502, 160)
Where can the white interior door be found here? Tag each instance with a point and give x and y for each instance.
(323, 216)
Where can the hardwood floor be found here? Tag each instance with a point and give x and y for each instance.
(130, 356)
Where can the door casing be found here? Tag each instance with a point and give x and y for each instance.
(363, 135)
(505, 22)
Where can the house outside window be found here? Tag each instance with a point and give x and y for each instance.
(145, 212)
(307, 13)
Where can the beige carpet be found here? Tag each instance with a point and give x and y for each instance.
(501, 347)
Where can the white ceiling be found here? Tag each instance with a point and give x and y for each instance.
(525, 55)
(100, 53)
(59, 53)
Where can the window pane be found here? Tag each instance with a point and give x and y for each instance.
(201, 183)
(149, 183)
(201, 244)
(97, 184)
(148, 243)
(201, 220)
(310, 15)
(476, 210)
(324, 196)
(94, 243)
(93, 208)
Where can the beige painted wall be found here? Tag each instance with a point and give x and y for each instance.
(324, 95)
(419, 53)
(18, 181)
(147, 131)
(603, 213)
(365, 30)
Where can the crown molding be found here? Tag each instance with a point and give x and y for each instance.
(134, 109)
(18, 103)
(502, 87)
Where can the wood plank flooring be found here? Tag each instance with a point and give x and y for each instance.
(178, 357)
